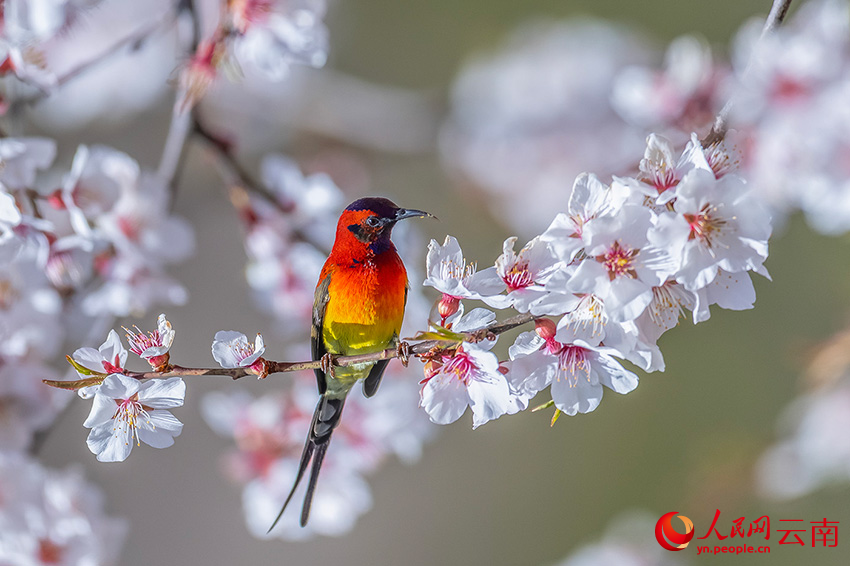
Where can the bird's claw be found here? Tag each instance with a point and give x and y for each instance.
(403, 353)
(327, 364)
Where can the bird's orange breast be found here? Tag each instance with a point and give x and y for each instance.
(366, 304)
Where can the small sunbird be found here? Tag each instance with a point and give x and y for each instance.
(357, 309)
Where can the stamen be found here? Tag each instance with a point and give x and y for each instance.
(619, 261)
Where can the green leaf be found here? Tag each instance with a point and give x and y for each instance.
(545, 405)
(440, 333)
(83, 370)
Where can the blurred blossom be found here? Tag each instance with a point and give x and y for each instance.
(682, 97)
(30, 310)
(276, 34)
(312, 201)
(813, 452)
(527, 120)
(791, 113)
(22, 158)
(627, 541)
(337, 504)
(52, 40)
(53, 517)
(39, 20)
(269, 433)
(126, 214)
(26, 404)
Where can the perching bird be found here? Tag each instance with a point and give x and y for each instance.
(357, 309)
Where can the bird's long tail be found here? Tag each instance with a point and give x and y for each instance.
(325, 420)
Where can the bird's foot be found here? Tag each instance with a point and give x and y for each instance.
(403, 353)
(327, 366)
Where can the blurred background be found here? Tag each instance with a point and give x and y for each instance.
(514, 492)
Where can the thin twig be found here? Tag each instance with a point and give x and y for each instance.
(174, 148)
(721, 123)
(135, 38)
(236, 176)
(232, 170)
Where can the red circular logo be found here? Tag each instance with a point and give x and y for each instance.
(664, 532)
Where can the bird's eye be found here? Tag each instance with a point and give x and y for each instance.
(373, 221)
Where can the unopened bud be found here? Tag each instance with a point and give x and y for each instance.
(545, 328)
(160, 363)
(448, 306)
(260, 368)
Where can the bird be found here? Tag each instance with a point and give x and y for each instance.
(358, 308)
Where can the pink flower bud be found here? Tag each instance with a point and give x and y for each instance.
(545, 328)
(448, 306)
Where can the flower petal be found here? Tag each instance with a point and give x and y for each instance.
(163, 393)
(110, 443)
(444, 398)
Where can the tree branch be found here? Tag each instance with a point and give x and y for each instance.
(721, 123)
(418, 349)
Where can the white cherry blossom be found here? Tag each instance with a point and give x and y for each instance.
(127, 411)
(154, 345)
(523, 274)
(622, 265)
(727, 226)
(111, 357)
(233, 350)
(449, 273)
(575, 372)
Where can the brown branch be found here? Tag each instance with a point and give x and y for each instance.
(236, 176)
(777, 14)
(232, 171)
(418, 349)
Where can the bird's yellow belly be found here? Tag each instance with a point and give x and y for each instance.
(364, 314)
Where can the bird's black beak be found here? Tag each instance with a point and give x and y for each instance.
(403, 213)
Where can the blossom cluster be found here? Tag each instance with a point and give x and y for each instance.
(790, 110)
(127, 410)
(618, 267)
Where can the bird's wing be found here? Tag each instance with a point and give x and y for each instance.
(317, 343)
